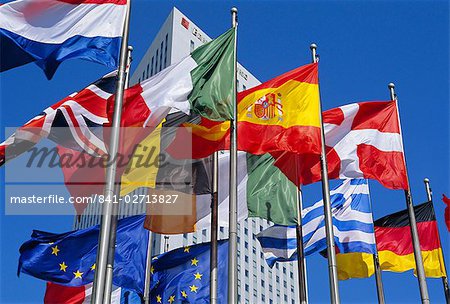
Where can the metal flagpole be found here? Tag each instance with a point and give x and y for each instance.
(115, 209)
(331, 251)
(105, 227)
(232, 247)
(148, 268)
(300, 250)
(376, 262)
(412, 219)
(214, 224)
(444, 279)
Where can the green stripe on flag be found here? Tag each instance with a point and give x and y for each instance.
(270, 194)
(212, 79)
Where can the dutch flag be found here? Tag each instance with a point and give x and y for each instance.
(48, 32)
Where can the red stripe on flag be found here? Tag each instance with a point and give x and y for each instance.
(386, 167)
(56, 293)
(308, 73)
(382, 116)
(76, 2)
(398, 240)
(333, 116)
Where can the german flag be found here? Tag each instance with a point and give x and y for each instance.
(281, 114)
(394, 242)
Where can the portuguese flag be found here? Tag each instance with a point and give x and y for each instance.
(394, 243)
(281, 114)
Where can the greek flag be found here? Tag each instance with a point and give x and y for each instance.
(352, 223)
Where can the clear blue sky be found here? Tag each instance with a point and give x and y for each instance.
(362, 46)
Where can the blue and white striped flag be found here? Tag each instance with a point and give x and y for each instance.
(352, 223)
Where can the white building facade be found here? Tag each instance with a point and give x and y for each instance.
(257, 283)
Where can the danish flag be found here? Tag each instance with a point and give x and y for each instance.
(363, 140)
(74, 122)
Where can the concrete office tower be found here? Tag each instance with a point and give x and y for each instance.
(257, 283)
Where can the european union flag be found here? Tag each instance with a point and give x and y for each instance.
(69, 258)
(182, 275)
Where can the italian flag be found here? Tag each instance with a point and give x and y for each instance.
(201, 83)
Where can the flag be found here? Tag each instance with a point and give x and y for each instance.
(182, 275)
(69, 258)
(352, 225)
(394, 242)
(49, 32)
(74, 122)
(60, 294)
(363, 141)
(446, 201)
(281, 114)
(200, 83)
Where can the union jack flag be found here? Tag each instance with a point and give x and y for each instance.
(74, 122)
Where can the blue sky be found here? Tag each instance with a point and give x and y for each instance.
(362, 46)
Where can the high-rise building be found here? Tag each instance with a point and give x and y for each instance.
(257, 283)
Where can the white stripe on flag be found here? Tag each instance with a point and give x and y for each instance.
(52, 21)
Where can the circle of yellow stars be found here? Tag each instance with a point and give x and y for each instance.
(63, 266)
(192, 288)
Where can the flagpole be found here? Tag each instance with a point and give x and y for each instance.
(376, 261)
(232, 247)
(301, 260)
(214, 224)
(444, 279)
(115, 210)
(106, 222)
(148, 268)
(412, 218)
(331, 251)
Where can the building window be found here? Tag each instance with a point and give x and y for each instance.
(221, 229)
(246, 259)
(246, 273)
(285, 298)
(245, 231)
(161, 56)
(185, 236)
(277, 279)
(246, 287)
(156, 61)
(284, 270)
(254, 250)
(143, 75)
(246, 245)
(148, 68)
(238, 239)
(261, 255)
(204, 232)
(284, 284)
(262, 268)
(262, 283)
(291, 275)
(165, 52)
(192, 46)
(270, 287)
(237, 88)
(277, 266)
(263, 298)
(245, 88)
(151, 69)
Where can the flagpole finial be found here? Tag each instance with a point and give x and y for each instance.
(130, 48)
(426, 180)
(313, 46)
(234, 10)
(391, 85)
(314, 57)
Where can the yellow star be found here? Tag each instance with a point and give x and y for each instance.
(184, 294)
(158, 299)
(78, 274)
(152, 270)
(171, 299)
(93, 267)
(51, 243)
(63, 266)
(198, 276)
(55, 250)
(194, 261)
(193, 288)
(186, 248)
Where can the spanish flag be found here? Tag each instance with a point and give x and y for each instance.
(395, 249)
(394, 242)
(281, 114)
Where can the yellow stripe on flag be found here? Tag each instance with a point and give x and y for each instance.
(143, 167)
(432, 262)
(291, 104)
(354, 265)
